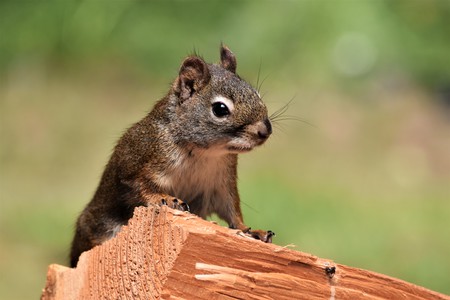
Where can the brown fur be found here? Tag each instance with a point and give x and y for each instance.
(181, 150)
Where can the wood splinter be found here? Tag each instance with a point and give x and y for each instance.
(173, 255)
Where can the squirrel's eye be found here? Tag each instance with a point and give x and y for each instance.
(220, 110)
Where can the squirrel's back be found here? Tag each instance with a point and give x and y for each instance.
(185, 148)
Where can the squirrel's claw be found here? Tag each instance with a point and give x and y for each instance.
(264, 236)
(185, 207)
(175, 203)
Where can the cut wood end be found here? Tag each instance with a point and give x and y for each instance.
(168, 254)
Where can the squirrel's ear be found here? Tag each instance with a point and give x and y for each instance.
(193, 76)
(227, 59)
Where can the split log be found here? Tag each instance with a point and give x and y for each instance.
(168, 254)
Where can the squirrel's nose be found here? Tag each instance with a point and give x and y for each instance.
(265, 129)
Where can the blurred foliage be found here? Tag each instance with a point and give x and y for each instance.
(411, 37)
(366, 185)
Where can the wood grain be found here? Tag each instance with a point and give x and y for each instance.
(167, 254)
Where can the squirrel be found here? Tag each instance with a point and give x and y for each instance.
(183, 154)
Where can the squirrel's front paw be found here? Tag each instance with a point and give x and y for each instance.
(174, 203)
(265, 236)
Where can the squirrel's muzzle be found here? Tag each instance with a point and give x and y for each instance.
(264, 129)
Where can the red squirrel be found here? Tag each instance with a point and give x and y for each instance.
(183, 154)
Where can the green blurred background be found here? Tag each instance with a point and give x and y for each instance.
(364, 180)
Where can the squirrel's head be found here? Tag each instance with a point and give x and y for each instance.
(216, 109)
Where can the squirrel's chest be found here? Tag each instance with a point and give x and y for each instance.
(197, 179)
